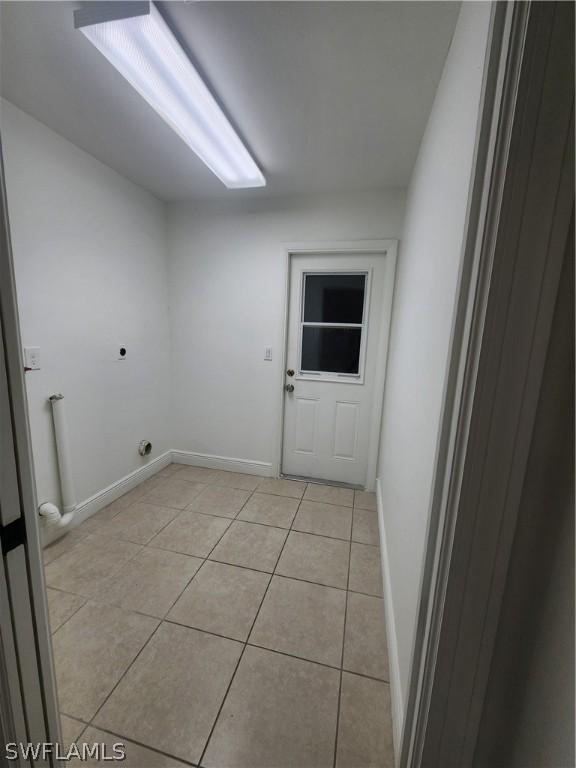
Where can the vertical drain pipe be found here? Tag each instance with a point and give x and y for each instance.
(63, 451)
(50, 511)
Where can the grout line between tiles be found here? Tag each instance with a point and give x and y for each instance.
(296, 578)
(275, 650)
(246, 642)
(82, 732)
(129, 667)
(58, 628)
(366, 677)
(200, 567)
(142, 497)
(83, 535)
(123, 675)
(343, 643)
(119, 536)
(187, 509)
(151, 545)
(75, 717)
(296, 530)
(293, 656)
(204, 560)
(141, 744)
(266, 525)
(65, 591)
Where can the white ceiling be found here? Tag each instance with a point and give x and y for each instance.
(329, 96)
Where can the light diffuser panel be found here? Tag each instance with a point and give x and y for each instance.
(144, 50)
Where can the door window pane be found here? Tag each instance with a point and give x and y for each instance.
(334, 298)
(333, 350)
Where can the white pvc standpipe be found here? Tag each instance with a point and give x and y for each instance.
(63, 452)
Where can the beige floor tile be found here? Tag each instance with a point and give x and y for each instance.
(197, 474)
(292, 488)
(136, 756)
(270, 510)
(223, 599)
(91, 653)
(365, 573)
(329, 494)
(111, 510)
(84, 568)
(215, 500)
(191, 534)
(236, 480)
(365, 527)
(324, 519)
(135, 494)
(365, 727)
(139, 522)
(174, 492)
(64, 544)
(365, 500)
(61, 606)
(251, 546)
(170, 696)
(71, 730)
(150, 582)
(315, 558)
(94, 523)
(168, 470)
(145, 486)
(108, 512)
(305, 620)
(280, 711)
(365, 649)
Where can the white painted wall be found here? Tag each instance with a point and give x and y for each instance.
(227, 300)
(424, 303)
(90, 261)
(91, 267)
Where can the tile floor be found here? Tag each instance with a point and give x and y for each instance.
(224, 620)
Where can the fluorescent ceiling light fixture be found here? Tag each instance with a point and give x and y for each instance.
(136, 40)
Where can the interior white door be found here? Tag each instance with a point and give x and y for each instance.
(336, 307)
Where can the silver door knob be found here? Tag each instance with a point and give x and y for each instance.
(289, 387)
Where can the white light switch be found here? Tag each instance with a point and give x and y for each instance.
(32, 358)
(267, 353)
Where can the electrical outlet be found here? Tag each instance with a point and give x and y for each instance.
(32, 358)
(267, 353)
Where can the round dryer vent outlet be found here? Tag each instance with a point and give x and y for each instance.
(145, 447)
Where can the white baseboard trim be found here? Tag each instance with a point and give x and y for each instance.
(246, 466)
(397, 703)
(87, 508)
(90, 506)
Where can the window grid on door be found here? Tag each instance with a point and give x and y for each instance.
(349, 344)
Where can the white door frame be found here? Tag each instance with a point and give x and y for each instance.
(388, 249)
(27, 680)
(522, 205)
